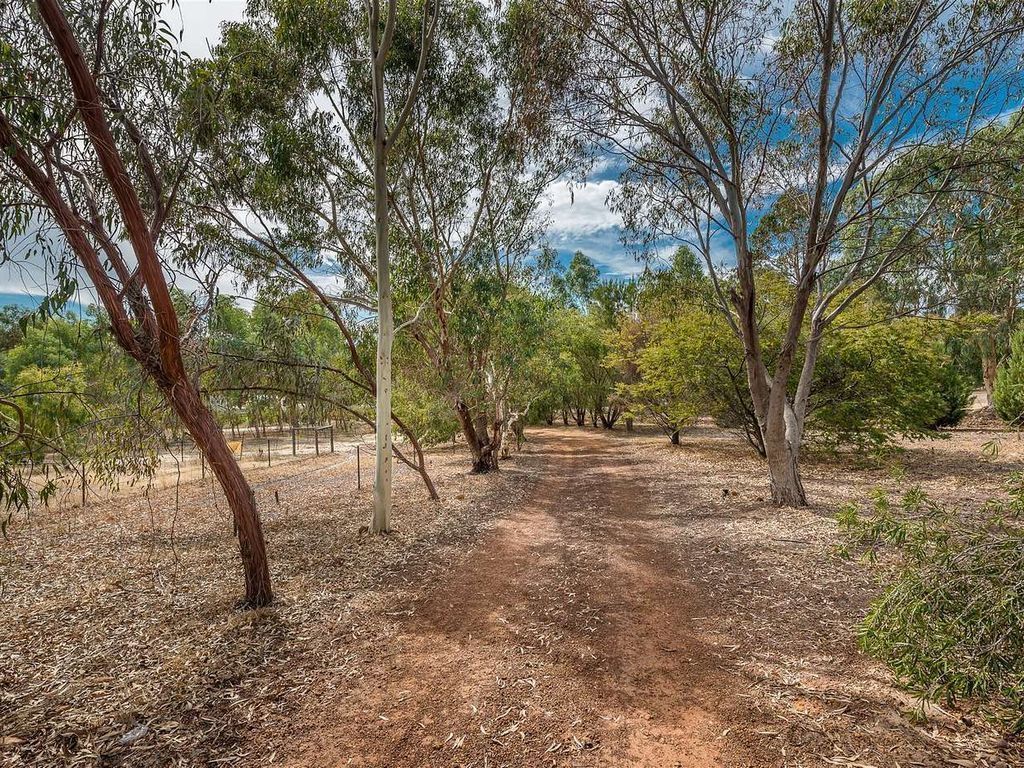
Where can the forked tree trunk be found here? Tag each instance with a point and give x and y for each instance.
(782, 450)
(781, 423)
(203, 428)
(674, 437)
(784, 470)
(483, 450)
(609, 416)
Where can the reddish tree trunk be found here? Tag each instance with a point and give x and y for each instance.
(155, 341)
(203, 428)
(483, 450)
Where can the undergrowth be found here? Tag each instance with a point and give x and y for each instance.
(950, 620)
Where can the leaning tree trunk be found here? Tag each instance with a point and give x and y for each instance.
(203, 428)
(155, 342)
(420, 465)
(482, 449)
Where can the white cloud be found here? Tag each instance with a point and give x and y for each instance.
(581, 210)
(198, 21)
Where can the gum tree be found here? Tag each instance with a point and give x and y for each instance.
(726, 109)
(91, 172)
(312, 99)
(465, 175)
(484, 144)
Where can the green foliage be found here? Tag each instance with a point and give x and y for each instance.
(877, 380)
(675, 369)
(1008, 397)
(577, 284)
(950, 621)
(886, 380)
(956, 389)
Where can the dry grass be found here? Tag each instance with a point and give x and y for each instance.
(788, 604)
(120, 644)
(118, 634)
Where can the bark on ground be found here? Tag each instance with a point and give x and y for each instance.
(634, 612)
(607, 599)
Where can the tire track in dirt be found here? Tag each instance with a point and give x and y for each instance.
(564, 637)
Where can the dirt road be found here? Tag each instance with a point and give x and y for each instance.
(564, 638)
(606, 600)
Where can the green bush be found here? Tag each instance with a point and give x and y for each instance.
(955, 390)
(950, 622)
(884, 381)
(1008, 397)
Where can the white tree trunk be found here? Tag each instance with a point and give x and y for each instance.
(385, 337)
(381, 522)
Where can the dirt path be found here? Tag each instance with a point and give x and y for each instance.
(563, 638)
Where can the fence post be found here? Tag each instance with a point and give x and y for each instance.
(181, 449)
(202, 464)
(359, 471)
(83, 485)
(316, 439)
(268, 451)
(293, 440)
(331, 428)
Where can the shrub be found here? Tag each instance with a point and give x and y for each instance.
(885, 381)
(1008, 396)
(955, 391)
(950, 622)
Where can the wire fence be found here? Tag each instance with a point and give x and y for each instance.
(182, 462)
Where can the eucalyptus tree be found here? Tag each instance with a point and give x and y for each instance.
(313, 98)
(389, 118)
(292, 156)
(725, 109)
(484, 145)
(91, 170)
(976, 252)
